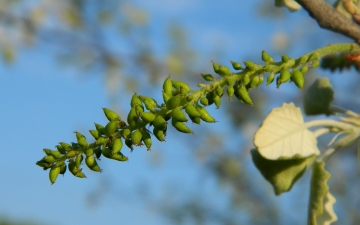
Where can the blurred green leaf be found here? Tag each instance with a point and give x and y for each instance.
(318, 97)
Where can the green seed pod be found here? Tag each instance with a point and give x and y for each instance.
(253, 83)
(42, 163)
(160, 123)
(284, 76)
(207, 77)
(75, 146)
(106, 152)
(89, 152)
(173, 102)
(315, 64)
(210, 97)
(49, 159)
(167, 86)
(182, 87)
(313, 56)
(204, 101)
(148, 116)
(78, 160)
(136, 137)
(191, 111)
(298, 78)
(217, 101)
(266, 57)
(261, 80)
(76, 171)
(110, 128)
(135, 101)
(180, 126)
(249, 65)
(53, 174)
(243, 95)
(195, 119)
(285, 58)
(97, 152)
(205, 116)
(66, 146)
(304, 69)
(71, 154)
(150, 103)
(92, 164)
(116, 145)
(129, 144)
(146, 138)
(270, 79)
(236, 65)
(100, 128)
(100, 141)
(55, 154)
(111, 115)
(215, 67)
(94, 133)
(245, 80)
(79, 135)
(219, 91)
(166, 96)
(178, 115)
(132, 118)
(300, 60)
(139, 109)
(267, 68)
(230, 91)
(159, 134)
(125, 133)
(63, 168)
(61, 149)
(82, 142)
(224, 71)
(119, 157)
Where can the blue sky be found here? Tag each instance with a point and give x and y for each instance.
(42, 103)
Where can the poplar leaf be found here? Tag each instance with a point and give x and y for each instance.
(318, 97)
(329, 215)
(282, 174)
(283, 135)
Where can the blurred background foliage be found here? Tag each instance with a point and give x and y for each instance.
(115, 39)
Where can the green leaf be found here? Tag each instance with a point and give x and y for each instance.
(318, 191)
(329, 216)
(283, 135)
(292, 5)
(318, 97)
(282, 174)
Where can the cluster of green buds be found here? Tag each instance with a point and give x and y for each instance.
(147, 118)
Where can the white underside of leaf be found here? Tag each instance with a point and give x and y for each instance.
(284, 135)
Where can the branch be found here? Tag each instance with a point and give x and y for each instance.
(329, 18)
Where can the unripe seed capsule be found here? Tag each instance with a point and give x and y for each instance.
(139, 109)
(78, 160)
(136, 137)
(150, 103)
(49, 158)
(71, 154)
(178, 115)
(159, 123)
(270, 79)
(261, 80)
(148, 116)
(146, 138)
(217, 101)
(63, 169)
(183, 87)
(300, 60)
(66, 146)
(298, 78)
(135, 100)
(254, 82)
(249, 65)
(315, 64)
(79, 135)
(173, 102)
(313, 56)
(111, 115)
(92, 164)
(219, 91)
(230, 91)
(94, 133)
(166, 96)
(100, 128)
(304, 69)
(195, 119)
(245, 79)
(119, 157)
(167, 86)
(159, 134)
(205, 116)
(128, 143)
(55, 154)
(215, 67)
(53, 174)
(236, 65)
(266, 57)
(132, 118)
(244, 95)
(284, 76)
(110, 128)
(191, 111)
(204, 101)
(100, 141)
(224, 71)
(285, 58)
(125, 133)
(180, 126)
(82, 142)
(61, 149)
(207, 77)
(89, 152)
(117, 145)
